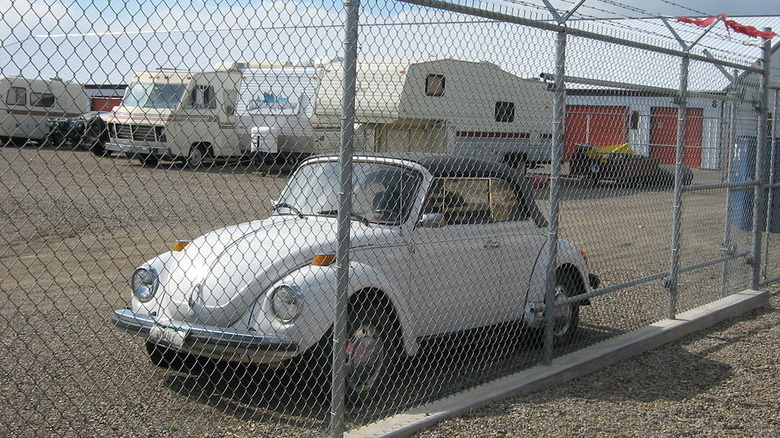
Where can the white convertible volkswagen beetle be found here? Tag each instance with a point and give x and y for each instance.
(439, 244)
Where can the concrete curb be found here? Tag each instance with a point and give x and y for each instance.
(565, 368)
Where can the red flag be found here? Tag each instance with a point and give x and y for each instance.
(730, 25)
(702, 22)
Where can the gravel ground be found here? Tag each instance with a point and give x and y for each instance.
(74, 226)
(720, 382)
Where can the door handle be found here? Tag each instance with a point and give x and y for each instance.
(492, 244)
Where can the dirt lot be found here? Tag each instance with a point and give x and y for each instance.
(74, 226)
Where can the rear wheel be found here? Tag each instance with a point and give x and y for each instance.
(566, 317)
(518, 161)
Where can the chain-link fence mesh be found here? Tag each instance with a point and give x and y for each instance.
(158, 203)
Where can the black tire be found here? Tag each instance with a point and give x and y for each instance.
(372, 350)
(195, 157)
(149, 160)
(517, 161)
(566, 317)
(164, 357)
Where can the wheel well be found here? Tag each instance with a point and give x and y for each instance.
(376, 299)
(206, 147)
(571, 271)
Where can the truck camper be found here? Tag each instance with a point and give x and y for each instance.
(440, 105)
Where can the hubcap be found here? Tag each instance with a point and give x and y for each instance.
(365, 358)
(562, 314)
(196, 158)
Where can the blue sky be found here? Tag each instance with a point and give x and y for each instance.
(105, 41)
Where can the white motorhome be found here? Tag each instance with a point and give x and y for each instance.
(441, 105)
(240, 108)
(178, 116)
(26, 104)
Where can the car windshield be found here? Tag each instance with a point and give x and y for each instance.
(159, 96)
(382, 193)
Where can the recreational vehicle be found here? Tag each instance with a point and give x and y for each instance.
(240, 108)
(26, 105)
(441, 105)
(177, 115)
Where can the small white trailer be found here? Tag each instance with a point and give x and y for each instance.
(26, 104)
(440, 105)
(276, 104)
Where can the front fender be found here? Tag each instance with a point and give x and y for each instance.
(318, 289)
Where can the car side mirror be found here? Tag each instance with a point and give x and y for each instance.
(432, 220)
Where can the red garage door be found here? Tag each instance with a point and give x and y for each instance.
(663, 135)
(596, 125)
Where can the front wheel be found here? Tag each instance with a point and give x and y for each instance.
(149, 160)
(196, 156)
(370, 352)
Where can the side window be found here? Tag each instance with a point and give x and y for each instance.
(203, 97)
(434, 85)
(505, 204)
(45, 100)
(16, 96)
(474, 201)
(460, 200)
(505, 112)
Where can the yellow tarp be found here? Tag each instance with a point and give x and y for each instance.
(602, 153)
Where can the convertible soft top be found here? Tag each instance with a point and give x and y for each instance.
(463, 166)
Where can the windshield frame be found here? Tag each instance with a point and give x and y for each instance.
(384, 192)
(154, 95)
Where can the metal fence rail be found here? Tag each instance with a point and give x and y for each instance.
(296, 219)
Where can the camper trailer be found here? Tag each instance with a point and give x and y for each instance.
(441, 105)
(276, 104)
(177, 115)
(27, 104)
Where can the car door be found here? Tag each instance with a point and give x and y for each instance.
(457, 260)
(520, 241)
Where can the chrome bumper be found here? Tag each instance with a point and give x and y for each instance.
(211, 341)
(119, 146)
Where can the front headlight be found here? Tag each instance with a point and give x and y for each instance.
(286, 301)
(144, 283)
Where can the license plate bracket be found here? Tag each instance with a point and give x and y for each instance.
(167, 335)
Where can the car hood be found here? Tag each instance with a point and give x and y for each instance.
(219, 275)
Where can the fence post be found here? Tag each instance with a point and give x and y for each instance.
(338, 389)
(772, 142)
(556, 154)
(682, 104)
(727, 247)
(759, 195)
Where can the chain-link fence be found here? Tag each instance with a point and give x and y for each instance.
(448, 192)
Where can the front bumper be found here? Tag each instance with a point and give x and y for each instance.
(129, 148)
(213, 342)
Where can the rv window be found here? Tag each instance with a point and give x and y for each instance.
(203, 97)
(505, 112)
(434, 85)
(16, 96)
(45, 100)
